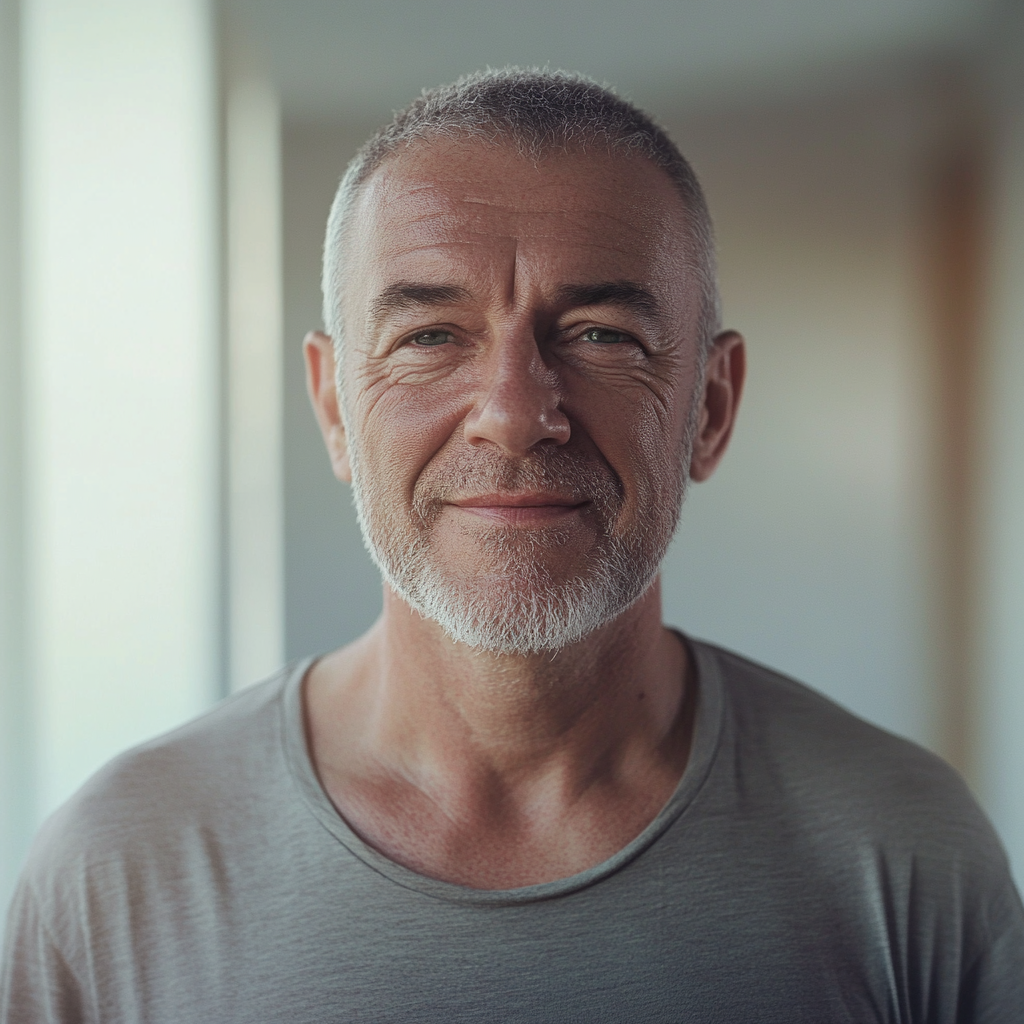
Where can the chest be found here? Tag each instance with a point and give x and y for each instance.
(659, 941)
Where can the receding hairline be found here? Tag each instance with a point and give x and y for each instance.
(366, 165)
(406, 153)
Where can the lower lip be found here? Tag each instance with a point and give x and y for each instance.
(521, 515)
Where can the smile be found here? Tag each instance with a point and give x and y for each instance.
(527, 509)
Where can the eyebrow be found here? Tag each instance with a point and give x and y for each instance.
(626, 294)
(409, 295)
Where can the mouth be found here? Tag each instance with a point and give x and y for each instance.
(531, 508)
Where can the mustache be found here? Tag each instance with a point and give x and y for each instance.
(568, 472)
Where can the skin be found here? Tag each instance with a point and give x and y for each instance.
(498, 771)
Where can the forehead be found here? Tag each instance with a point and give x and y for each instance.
(480, 211)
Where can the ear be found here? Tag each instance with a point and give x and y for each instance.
(320, 383)
(724, 374)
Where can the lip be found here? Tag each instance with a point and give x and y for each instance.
(524, 509)
(525, 499)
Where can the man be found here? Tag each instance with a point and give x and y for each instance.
(519, 797)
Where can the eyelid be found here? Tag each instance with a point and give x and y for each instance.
(411, 336)
(608, 330)
(628, 337)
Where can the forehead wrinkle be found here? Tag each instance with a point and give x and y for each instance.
(437, 243)
(419, 241)
(516, 252)
(539, 213)
(450, 203)
(510, 221)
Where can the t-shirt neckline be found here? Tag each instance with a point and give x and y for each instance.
(706, 732)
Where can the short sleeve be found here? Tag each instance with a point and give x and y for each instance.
(36, 984)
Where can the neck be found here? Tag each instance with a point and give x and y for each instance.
(494, 740)
(537, 699)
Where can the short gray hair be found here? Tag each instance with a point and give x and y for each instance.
(538, 112)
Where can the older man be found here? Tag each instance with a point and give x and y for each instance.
(519, 796)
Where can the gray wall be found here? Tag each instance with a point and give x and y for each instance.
(332, 590)
(810, 548)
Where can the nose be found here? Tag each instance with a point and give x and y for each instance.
(519, 401)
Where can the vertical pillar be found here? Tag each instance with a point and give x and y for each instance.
(121, 351)
(958, 261)
(254, 373)
(15, 750)
(1002, 597)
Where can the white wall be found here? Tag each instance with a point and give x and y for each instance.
(122, 367)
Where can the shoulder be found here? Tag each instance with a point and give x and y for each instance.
(874, 833)
(774, 715)
(837, 771)
(162, 793)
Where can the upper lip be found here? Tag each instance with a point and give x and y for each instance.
(524, 499)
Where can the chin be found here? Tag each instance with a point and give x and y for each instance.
(527, 611)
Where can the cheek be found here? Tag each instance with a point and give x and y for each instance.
(639, 437)
(401, 428)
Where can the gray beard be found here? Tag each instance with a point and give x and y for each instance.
(515, 606)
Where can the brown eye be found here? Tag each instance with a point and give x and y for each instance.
(605, 336)
(429, 339)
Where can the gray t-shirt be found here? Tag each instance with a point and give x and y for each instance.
(809, 868)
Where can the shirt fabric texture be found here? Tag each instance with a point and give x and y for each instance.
(808, 868)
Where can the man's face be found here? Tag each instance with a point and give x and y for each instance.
(518, 374)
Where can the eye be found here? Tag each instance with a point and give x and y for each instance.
(430, 339)
(605, 336)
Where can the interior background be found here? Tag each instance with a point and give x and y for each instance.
(170, 526)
